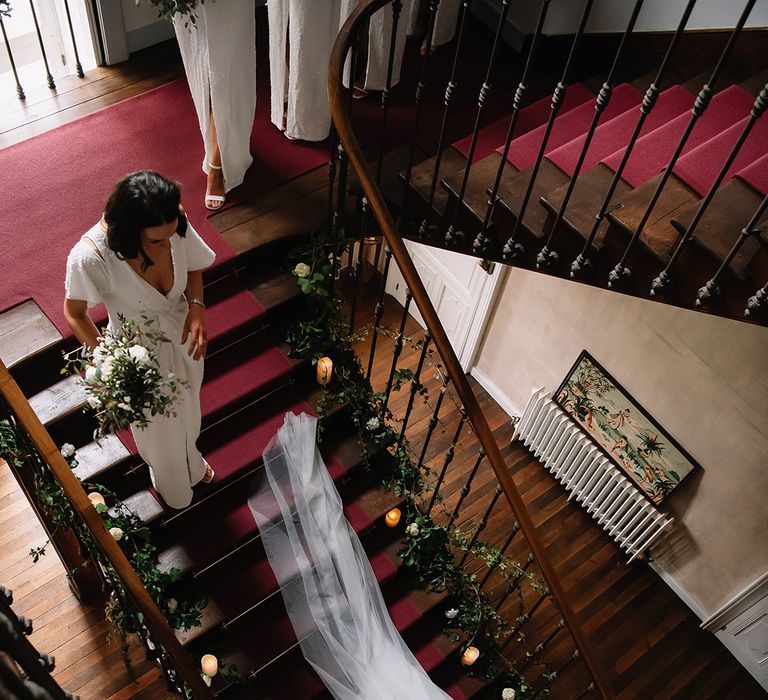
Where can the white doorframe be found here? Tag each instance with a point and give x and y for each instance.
(485, 288)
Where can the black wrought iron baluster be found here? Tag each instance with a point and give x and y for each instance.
(663, 280)
(415, 383)
(397, 6)
(48, 76)
(621, 273)
(357, 269)
(452, 236)
(398, 348)
(433, 420)
(78, 66)
(482, 244)
(330, 223)
(512, 249)
(449, 455)
(554, 675)
(379, 311)
(502, 552)
(542, 645)
(424, 228)
(419, 99)
(710, 292)
(467, 486)
(546, 255)
(582, 265)
(19, 89)
(757, 304)
(482, 524)
(587, 691)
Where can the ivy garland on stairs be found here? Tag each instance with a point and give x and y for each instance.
(182, 608)
(471, 618)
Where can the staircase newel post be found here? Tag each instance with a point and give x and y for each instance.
(620, 276)
(512, 247)
(582, 265)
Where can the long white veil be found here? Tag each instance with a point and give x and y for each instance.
(328, 586)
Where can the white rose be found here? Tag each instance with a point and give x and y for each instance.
(302, 270)
(117, 533)
(206, 679)
(172, 604)
(452, 613)
(90, 375)
(372, 424)
(106, 368)
(508, 694)
(139, 353)
(124, 406)
(67, 450)
(94, 402)
(412, 529)
(100, 354)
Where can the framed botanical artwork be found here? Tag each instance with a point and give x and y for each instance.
(624, 430)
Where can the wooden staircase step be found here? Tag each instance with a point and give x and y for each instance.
(60, 400)
(421, 177)
(481, 179)
(96, 459)
(728, 213)
(25, 332)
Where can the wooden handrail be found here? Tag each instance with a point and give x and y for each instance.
(153, 618)
(354, 152)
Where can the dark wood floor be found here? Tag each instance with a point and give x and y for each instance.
(647, 639)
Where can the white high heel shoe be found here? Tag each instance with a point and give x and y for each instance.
(217, 198)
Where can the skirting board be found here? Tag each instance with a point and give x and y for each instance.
(496, 394)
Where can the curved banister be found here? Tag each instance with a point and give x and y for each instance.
(354, 152)
(153, 617)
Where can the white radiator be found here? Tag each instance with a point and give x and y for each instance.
(593, 479)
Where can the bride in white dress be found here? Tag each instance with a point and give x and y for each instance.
(144, 258)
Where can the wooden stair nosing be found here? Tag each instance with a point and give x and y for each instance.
(25, 333)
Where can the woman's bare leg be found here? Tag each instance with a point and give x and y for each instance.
(215, 184)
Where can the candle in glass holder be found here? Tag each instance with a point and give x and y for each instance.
(210, 665)
(96, 498)
(393, 517)
(324, 370)
(470, 655)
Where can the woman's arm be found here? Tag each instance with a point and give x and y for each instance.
(194, 325)
(76, 313)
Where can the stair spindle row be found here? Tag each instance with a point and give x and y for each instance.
(513, 249)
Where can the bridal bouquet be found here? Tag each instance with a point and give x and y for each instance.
(122, 378)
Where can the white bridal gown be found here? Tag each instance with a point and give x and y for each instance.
(167, 445)
(329, 588)
(219, 54)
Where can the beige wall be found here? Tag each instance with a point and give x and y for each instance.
(705, 379)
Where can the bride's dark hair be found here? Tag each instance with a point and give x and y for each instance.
(140, 200)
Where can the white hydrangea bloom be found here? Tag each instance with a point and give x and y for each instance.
(508, 694)
(117, 533)
(373, 424)
(452, 613)
(90, 375)
(412, 529)
(94, 402)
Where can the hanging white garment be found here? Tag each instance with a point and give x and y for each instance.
(219, 54)
(301, 36)
(96, 276)
(379, 38)
(329, 588)
(445, 20)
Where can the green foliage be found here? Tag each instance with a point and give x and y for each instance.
(135, 540)
(5, 7)
(169, 8)
(428, 550)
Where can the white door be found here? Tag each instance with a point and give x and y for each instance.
(747, 638)
(461, 290)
